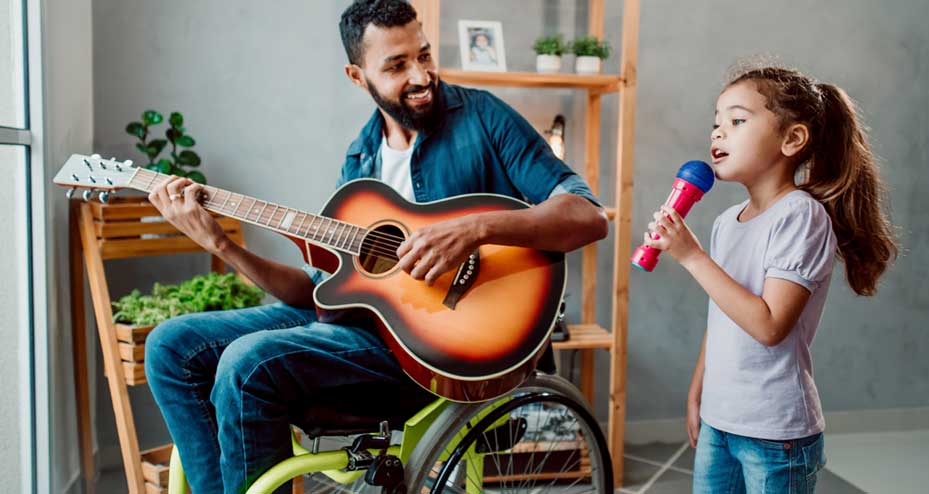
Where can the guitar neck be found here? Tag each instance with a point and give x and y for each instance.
(314, 228)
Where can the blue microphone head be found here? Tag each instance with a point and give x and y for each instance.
(697, 173)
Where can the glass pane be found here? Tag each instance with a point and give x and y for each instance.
(12, 69)
(13, 305)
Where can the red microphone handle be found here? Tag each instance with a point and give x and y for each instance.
(683, 196)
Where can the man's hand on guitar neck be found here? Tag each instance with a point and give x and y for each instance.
(287, 283)
(178, 200)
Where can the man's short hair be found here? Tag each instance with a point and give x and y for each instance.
(381, 13)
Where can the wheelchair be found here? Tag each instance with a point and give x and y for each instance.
(539, 437)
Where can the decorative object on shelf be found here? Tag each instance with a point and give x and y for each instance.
(548, 51)
(556, 136)
(481, 44)
(176, 137)
(208, 292)
(590, 51)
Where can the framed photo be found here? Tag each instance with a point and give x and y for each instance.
(481, 44)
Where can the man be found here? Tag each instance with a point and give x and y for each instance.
(229, 383)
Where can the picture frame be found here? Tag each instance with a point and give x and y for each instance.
(481, 44)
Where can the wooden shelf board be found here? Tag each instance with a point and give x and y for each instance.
(596, 83)
(585, 336)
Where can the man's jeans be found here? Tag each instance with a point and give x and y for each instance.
(230, 383)
(727, 463)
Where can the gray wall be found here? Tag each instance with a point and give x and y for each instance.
(263, 93)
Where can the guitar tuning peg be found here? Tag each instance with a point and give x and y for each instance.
(95, 156)
(127, 163)
(87, 195)
(104, 197)
(70, 192)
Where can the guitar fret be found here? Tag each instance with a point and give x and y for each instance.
(223, 207)
(338, 237)
(262, 212)
(276, 207)
(238, 204)
(355, 231)
(332, 232)
(300, 226)
(346, 231)
(250, 210)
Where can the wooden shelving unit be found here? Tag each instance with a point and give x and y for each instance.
(587, 336)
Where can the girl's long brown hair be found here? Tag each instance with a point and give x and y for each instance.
(843, 172)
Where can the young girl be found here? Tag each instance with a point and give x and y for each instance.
(753, 410)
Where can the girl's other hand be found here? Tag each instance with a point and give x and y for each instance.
(693, 420)
(669, 233)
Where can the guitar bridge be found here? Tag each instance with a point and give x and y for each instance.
(464, 278)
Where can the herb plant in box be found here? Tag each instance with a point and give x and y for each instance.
(135, 314)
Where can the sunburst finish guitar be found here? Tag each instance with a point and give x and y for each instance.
(473, 335)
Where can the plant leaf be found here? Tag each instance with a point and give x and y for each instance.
(141, 147)
(151, 117)
(196, 177)
(188, 158)
(176, 119)
(136, 129)
(172, 134)
(156, 145)
(165, 166)
(185, 141)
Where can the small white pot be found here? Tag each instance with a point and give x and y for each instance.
(587, 65)
(547, 64)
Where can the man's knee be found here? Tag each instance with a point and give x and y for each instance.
(167, 344)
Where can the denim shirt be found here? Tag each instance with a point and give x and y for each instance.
(481, 145)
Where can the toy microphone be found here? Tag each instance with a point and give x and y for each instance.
(694, 179)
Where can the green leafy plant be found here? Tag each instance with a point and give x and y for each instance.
(590, 46)
(176, 136)
(549, 45)
(198, 294)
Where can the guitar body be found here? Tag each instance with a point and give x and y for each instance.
(482, 345)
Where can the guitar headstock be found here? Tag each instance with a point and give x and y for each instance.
(93, 173)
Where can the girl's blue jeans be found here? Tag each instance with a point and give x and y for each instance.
(230, 383)
(728, 463)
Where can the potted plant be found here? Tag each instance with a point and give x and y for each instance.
(590, 51)
(548, 51)
(176, 136)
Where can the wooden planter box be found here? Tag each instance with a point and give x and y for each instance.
(132, 351)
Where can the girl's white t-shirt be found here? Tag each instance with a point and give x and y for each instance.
(395, 169)
(751, 389)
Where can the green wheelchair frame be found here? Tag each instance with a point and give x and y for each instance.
(334, 463)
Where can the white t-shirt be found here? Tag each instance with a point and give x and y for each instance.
(751, 389)
(395, 169)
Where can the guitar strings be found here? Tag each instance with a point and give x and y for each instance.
(377, 249)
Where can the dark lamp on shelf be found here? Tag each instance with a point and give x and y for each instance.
(556, 136)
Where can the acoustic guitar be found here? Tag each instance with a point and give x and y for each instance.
(473, 335)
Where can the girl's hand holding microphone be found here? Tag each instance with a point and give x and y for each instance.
(670, 234)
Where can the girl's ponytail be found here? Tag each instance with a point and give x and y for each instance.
(843, 176)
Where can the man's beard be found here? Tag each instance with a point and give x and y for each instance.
(419, 121)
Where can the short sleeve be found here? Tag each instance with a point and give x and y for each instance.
(527, 158)
(574, 184)
(801, 246)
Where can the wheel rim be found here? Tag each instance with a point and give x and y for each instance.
(561, 450)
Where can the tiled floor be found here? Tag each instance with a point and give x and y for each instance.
(875, 463)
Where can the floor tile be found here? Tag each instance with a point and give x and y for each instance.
(671, 482)
(658, 452)
(874, 461)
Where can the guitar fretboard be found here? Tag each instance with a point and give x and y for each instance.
(315, 228)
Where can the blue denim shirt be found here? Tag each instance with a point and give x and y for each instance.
(482, 145)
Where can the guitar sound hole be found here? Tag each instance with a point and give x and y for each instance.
(379, 249)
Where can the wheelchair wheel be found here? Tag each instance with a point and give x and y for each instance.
(540, 437)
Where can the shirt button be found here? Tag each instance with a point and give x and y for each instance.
(362, 156)
(418, 185)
